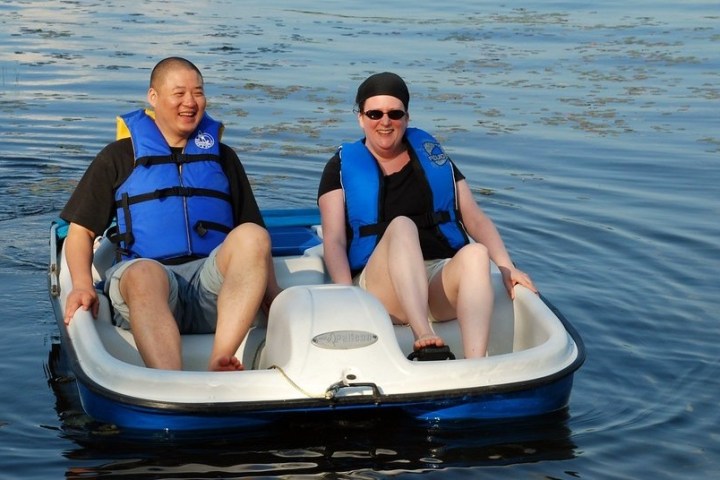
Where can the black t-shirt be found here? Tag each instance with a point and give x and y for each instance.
(404, 196)
(92, 204)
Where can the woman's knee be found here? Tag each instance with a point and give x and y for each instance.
(402, 225)
(401, 233)
(474, 254)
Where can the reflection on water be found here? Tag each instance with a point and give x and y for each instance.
(346, 445)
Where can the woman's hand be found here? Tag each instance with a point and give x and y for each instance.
(513, 276)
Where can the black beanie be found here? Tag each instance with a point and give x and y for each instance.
(385, 83)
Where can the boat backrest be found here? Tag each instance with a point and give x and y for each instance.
(103, 258)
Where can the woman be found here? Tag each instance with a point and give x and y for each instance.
(396, 217)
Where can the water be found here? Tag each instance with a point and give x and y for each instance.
(589, 131)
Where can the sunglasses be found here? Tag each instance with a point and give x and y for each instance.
(378, 114)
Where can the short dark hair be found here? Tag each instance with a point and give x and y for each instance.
(167, 64)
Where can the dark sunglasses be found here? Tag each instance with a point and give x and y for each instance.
(378, 114)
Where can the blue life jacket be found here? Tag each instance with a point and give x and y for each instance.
(362, 178)
(173, 205)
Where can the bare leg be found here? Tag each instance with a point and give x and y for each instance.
(464, 290)
(145, 288)
(244, 261)
(395, 274)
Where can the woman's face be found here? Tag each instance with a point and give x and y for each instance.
(383, 135)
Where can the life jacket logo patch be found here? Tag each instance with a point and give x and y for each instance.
(204, 140)
(435, 153)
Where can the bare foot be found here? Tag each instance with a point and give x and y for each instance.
(226, 364)
(428, 340)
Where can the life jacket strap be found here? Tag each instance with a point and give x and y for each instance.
(426, 220)
(175, 158)
(203, 226)
(126, 200)
(118, 239)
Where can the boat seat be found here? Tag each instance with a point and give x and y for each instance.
(502, 324)
(296, 270)
(300, 270)
(306, 269)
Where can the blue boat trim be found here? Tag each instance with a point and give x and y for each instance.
(151, 416)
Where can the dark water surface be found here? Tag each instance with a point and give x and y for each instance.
(589, 131)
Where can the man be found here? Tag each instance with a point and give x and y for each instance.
(194, 253)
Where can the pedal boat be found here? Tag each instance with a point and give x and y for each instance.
(324, 352)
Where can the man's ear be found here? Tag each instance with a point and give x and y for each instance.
(152, 96)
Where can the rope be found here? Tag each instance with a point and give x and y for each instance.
(295, 385)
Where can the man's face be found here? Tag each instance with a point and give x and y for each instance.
(179, 104)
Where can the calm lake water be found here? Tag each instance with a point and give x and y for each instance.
(589, 131)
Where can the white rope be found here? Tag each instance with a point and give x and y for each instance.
(295, 385)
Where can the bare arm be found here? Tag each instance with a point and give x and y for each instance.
(332, 212)
(79, 253)
(482, 229)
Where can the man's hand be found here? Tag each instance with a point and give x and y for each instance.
(85, 298)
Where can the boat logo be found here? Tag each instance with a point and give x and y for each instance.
(204, 140)
(435, 153)
(344, 339)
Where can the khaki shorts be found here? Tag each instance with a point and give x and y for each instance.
(432, 268)
(194, 287)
